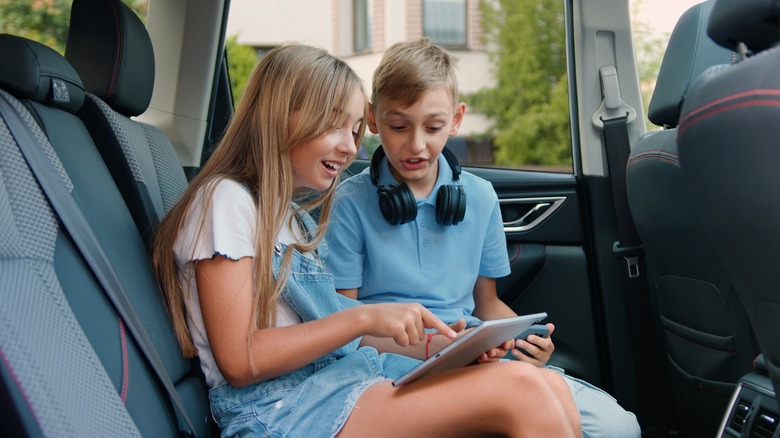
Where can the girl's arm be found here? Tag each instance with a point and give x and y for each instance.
(225, 290)
(422, 350)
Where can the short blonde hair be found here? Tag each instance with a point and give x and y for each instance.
(410, 68)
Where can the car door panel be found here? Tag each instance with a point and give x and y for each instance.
(549, 269)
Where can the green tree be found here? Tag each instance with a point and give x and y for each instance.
(46, 21)
(529, 104)
(241, 61)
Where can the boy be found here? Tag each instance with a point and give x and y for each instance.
(402, 230)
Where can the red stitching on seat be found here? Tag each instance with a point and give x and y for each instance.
(118, 48)
(125, 365)
(658, 155)
(688, 119)
(18, 385)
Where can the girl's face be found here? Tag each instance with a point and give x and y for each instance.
(317, 162)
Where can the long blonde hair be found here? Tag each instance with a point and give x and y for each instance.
(255, 151)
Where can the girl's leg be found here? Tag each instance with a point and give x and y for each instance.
(507, 398)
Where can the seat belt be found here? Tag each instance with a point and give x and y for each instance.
(80, 231)
(613, 117)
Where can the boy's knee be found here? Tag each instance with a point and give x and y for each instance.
(601, 415)
(615, 423)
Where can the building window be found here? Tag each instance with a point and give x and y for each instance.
(444, 21)
(362, 17)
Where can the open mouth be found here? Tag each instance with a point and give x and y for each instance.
(331, 165)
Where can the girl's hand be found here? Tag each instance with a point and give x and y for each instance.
(404, 322)
(540, 348)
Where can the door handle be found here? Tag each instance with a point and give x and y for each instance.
(539, 209)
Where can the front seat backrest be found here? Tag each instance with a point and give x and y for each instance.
(110, 48)
(708, 339)
(46, 92)
(730, 157)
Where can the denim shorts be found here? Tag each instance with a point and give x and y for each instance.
(315, 400)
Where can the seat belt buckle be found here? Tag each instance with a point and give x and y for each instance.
(631, 255)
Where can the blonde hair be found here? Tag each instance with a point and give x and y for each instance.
(410, 68)
(255, 151)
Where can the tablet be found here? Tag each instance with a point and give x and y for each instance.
(466, 349)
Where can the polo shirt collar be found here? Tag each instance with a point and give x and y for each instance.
(445, 177)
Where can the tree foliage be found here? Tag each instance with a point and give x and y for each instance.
(241, 61)
(529, 103)
(46, 21)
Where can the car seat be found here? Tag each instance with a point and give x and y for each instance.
(708, 337)
(72, 364)
(110, 49)
(729, 154)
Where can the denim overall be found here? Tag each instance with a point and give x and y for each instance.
(317, 399)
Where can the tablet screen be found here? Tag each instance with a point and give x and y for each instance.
(466, 349)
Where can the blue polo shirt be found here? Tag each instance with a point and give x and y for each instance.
(419, 261)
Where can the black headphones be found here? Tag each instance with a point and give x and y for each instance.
(397, 202)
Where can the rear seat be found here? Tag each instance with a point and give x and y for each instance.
(110, 49)
(61, 339)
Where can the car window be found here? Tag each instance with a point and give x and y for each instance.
(512, 70)
(652, 24)
(46, 21)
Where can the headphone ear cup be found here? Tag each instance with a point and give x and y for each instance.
(397, 203)
(450, 205)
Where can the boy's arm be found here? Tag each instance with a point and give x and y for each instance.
(349, 293)
(488, 306)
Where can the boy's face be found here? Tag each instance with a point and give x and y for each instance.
(414, 136)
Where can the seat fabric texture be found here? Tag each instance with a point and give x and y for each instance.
(33, 77)
(708, 339)
(110, 49)
(729, 154)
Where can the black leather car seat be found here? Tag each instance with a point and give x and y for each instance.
(729, 138)
(70, 364)
(708, 338)
(111, 51)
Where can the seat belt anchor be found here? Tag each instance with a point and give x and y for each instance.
(631, 255)
(612, 106)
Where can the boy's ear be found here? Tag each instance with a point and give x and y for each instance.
(372, 120)
(457, 118)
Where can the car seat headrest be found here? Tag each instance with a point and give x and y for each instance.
(689, 52)
(752, 22)
(31, 70)
(110, 48)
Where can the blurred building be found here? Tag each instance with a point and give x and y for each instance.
(359, 31)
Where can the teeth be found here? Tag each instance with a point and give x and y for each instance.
(413, 160)
(332, 165)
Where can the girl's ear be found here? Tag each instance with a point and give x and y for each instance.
(372, 120)
(457, 118)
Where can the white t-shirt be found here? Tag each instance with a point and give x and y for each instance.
(228, 230)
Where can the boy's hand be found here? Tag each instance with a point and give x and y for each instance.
(538, 347)
(495, 354)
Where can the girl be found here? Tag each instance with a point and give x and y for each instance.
(241, 269)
